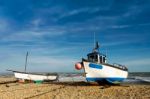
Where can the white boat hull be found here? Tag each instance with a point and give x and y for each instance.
(99, 72)
(34, 77)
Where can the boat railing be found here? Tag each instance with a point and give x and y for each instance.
(119, 66)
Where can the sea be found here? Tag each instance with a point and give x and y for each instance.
(133, 77)
(138, 77)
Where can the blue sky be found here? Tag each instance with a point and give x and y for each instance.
(58, 33)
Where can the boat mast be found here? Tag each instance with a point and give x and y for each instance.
(26, 61)
(94, 40)
(96, 45)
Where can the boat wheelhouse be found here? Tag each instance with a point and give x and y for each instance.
(100, 58)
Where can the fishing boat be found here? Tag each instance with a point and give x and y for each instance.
(37, 77)
(98, 70)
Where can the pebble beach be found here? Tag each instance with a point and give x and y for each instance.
(10, 89)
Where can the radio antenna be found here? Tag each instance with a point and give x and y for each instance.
(94, 40)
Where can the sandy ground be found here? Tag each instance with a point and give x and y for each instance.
(71, 90)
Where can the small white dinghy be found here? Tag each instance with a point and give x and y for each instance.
(34, 76)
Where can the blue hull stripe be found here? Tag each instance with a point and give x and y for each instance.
(110, 80)
(95, 66)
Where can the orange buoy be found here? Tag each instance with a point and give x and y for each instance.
(78, 66)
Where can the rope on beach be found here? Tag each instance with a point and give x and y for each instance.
(44, 92)
(7, 82)
(22, 89)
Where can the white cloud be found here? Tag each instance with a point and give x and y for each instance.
(50, 63)
(54, 61)
(31, 35)
(133, 11)
(4, 24)
(126, 26)
(138, 62)
(36, 22)
(73, 12)
(120, 26)
(118, 42)
(81, 10)
(39, 59)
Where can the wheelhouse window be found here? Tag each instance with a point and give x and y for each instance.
(93, 58)
(97, 57)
